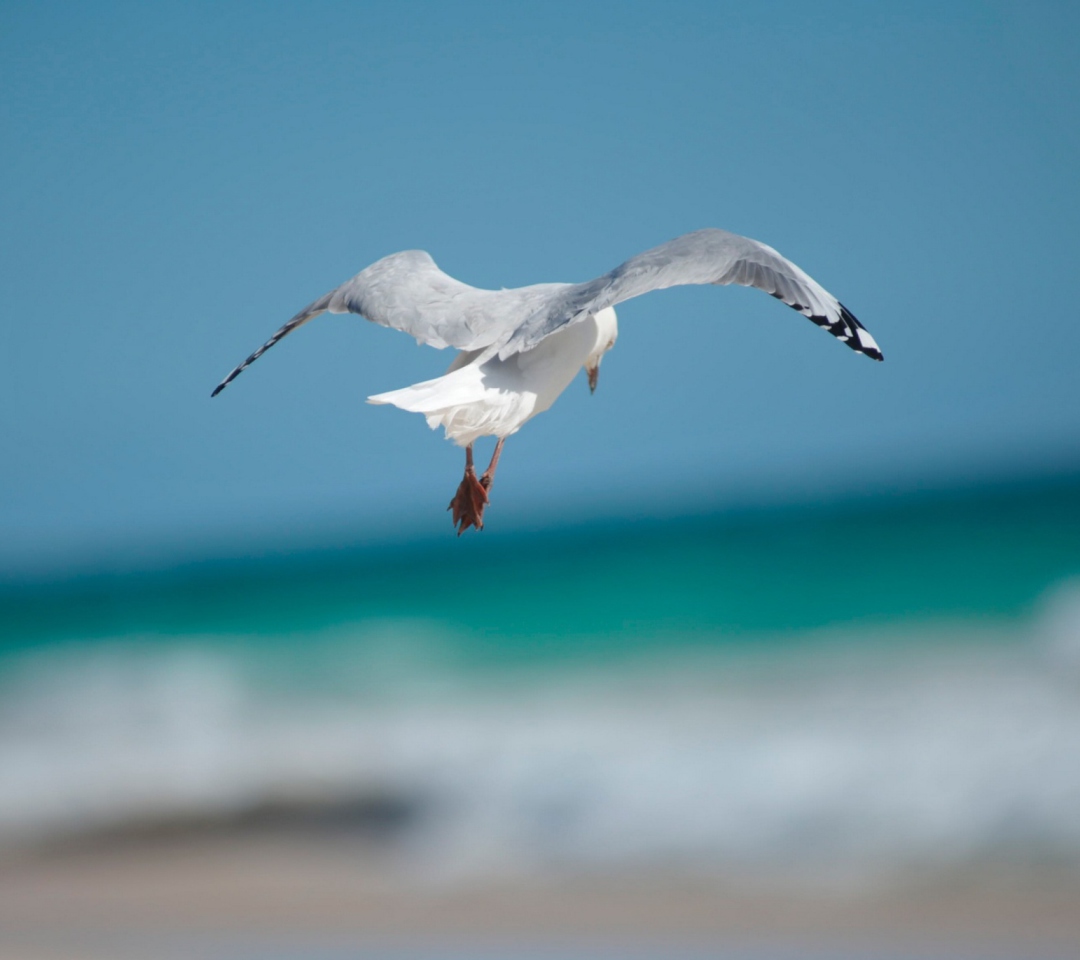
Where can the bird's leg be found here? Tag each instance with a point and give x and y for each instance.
(489, 474)
(471, 498)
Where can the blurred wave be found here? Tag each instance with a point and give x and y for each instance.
(832, 695)
(938, 747)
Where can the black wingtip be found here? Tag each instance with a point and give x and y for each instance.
(229, 379)
(866, 345)
(846, 329)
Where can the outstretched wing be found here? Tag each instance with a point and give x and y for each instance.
(705, 256)
(408, 292)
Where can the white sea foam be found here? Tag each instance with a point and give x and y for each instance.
(844, 758)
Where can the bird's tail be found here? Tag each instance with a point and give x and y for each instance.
(461, 386)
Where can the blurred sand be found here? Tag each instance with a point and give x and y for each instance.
(281, 895)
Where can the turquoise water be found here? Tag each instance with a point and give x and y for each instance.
(593, 590)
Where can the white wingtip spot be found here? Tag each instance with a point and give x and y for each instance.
(866, 340)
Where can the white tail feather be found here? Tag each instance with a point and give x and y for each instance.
(463, 404)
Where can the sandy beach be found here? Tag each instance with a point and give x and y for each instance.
(278, 894)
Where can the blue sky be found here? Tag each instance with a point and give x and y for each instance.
(179, 179)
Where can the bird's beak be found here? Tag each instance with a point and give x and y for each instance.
(594, 375)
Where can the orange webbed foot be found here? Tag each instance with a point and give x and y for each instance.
(469, 502)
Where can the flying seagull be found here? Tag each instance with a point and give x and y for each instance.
(520, 348)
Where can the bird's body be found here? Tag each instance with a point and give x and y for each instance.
(521, 348)
(494, 398)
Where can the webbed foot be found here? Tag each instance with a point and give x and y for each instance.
(469, 502)
(472, 494)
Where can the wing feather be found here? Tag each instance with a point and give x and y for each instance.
(310, 312)
(407, 291)
(706, 256)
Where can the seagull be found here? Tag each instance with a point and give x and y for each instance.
(520, 348)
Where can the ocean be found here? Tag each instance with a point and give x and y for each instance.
(841, 690)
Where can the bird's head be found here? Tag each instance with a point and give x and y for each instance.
(607, 332)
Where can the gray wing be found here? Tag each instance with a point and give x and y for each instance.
(408, 292)
(705, 256)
